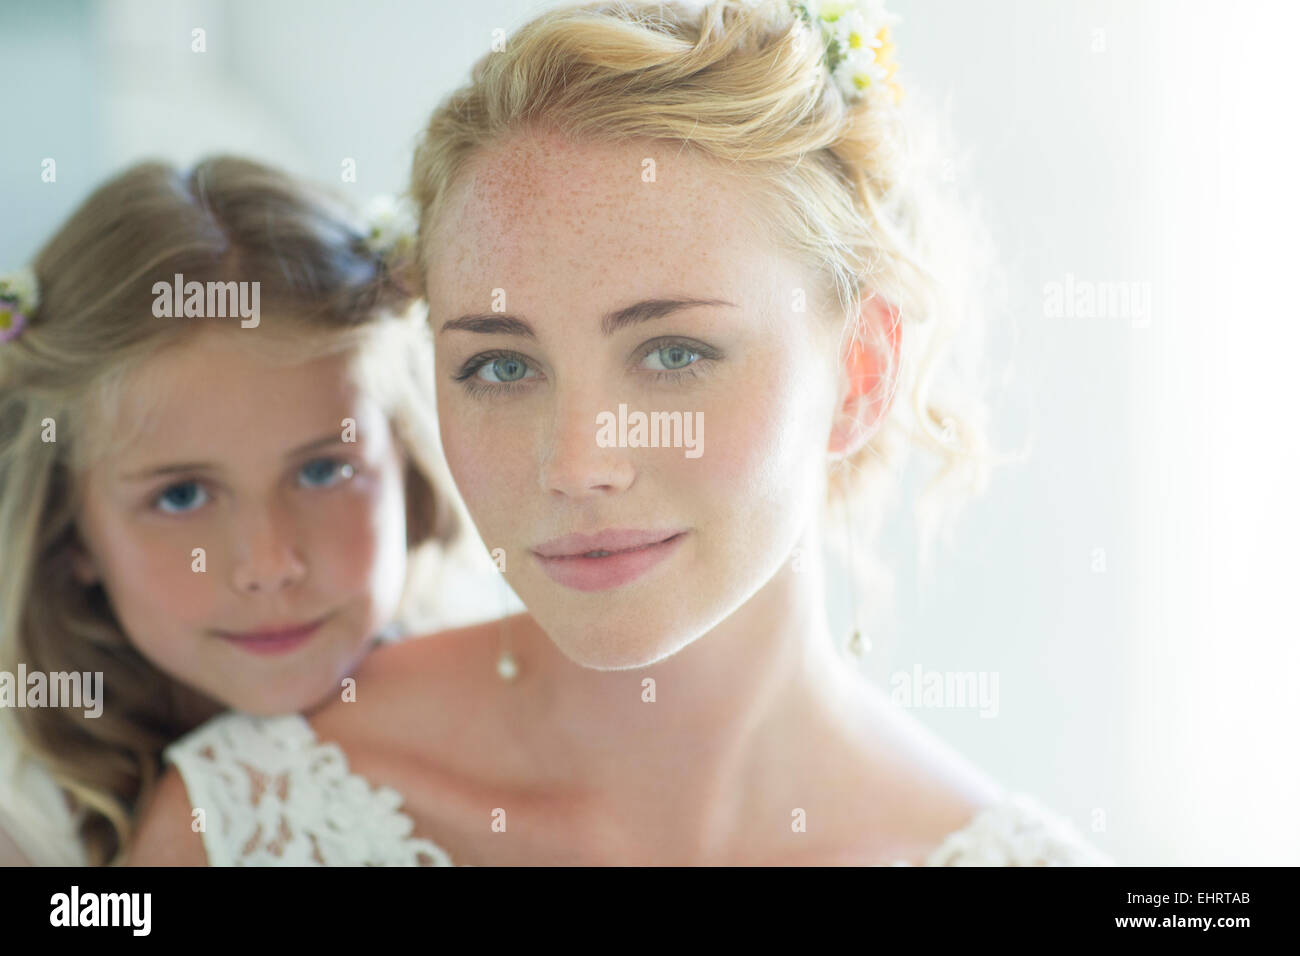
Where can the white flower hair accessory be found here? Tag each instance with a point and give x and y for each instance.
(390, 226)
(19, 299)
(859, 52)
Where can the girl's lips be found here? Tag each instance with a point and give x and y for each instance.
(279, 641)
(618, 568)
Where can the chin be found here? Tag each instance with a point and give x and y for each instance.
(603, 647)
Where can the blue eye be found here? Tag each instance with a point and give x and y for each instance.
(181, 498)
(673, 357)
(505, 369)
(324, 472)
(495, 373)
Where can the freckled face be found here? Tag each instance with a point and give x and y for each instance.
(297, 524)
(559, 236)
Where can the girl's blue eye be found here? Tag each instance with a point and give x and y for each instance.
(181, 498)
(324, 472)
(673, 357)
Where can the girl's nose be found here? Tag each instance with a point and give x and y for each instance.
(266, 556)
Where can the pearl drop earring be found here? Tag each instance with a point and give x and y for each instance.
(507, 666)
(857, 645)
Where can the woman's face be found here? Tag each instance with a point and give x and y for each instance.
(539, 276)
(249, 541)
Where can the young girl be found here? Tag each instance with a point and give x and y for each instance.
(217, 451)
(655, 210)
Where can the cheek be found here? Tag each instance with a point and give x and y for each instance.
(485, 476)
(152, 576)
(154, 591)
(357, 541)
(758, 442)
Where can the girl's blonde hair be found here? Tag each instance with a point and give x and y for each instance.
(856, 191)
(324, 291)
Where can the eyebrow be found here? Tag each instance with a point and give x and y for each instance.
(500, 323)
(176, 468)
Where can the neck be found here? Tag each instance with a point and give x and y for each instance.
(732, 710)
(190, 708)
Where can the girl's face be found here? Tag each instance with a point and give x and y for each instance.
(250, 543)
(569, 295)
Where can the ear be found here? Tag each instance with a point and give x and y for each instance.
(865, 394)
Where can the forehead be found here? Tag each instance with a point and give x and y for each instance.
(220, 387)
(537, 211)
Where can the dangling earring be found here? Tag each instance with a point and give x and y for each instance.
(507, 666)
(858, 644)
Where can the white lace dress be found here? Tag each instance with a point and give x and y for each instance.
(274, 795)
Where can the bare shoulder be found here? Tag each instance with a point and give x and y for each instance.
(443, 655)
(449, 648)
(917, 786)
(163, 834)
(413, 682)
(427, 722)
(937, 769)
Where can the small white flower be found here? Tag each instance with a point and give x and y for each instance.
(857, 36)
(844, 79)
(390, 224)
(854, 28)
(21, 286)
(861, 72)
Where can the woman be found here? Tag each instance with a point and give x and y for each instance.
(699, 217)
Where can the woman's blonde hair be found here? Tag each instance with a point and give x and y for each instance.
(324, 291)
(858, 191)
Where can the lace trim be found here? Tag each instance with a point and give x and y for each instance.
(1016, 831)
(273, 795)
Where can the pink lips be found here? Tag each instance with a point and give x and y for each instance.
(629, 554)
(273, 641)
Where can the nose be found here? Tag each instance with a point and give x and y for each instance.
(574, 463)
(266, 556)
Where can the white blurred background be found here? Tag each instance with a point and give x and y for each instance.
(1132, 585)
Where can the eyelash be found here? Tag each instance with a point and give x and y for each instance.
(346, 469)
(467, 376)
